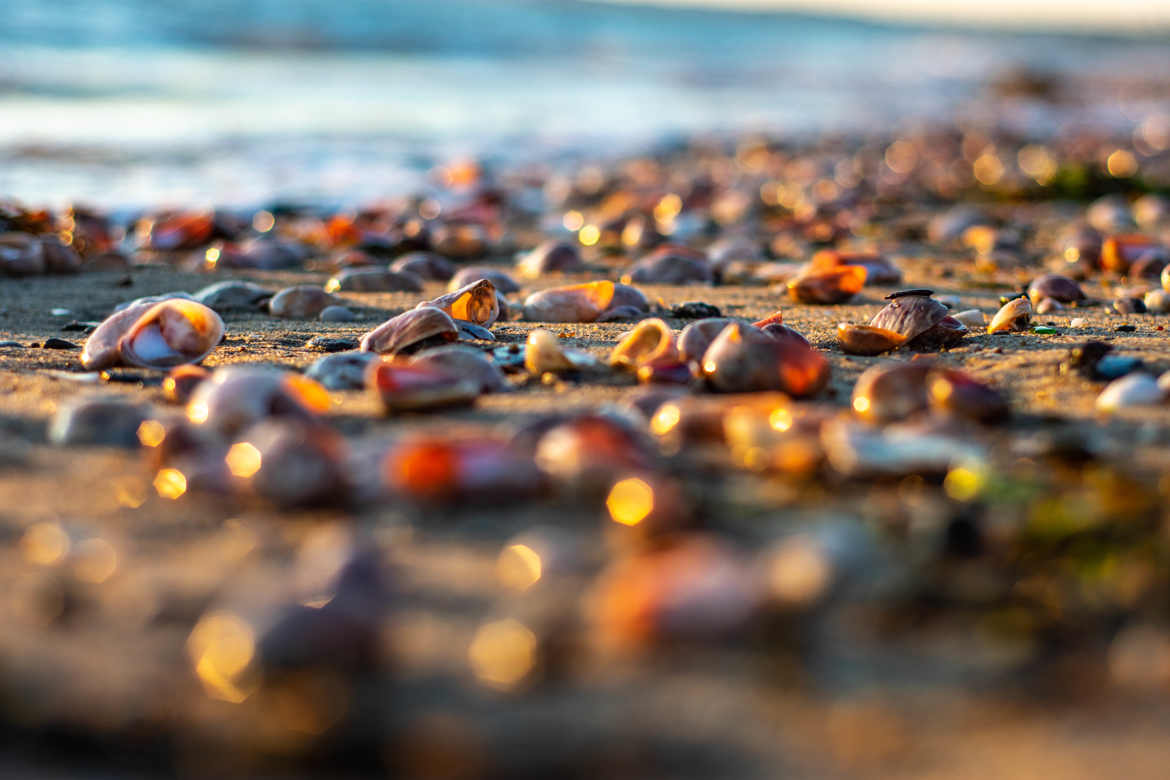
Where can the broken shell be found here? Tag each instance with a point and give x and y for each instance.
(301, 302)
(1118, 253)
(449, 469)
(236, 397)
(551, 257)
(671, 264)
(910, 316)
(696, 337)
(374, 280)
(1058, 288)
(290, 462)
(891, 391)
(954, 392)
(867, 340)
(589, 302)
(403, 386)
(504, 283)
(411, 329)
(233, 295)
(427, 266)
(878, 270)
(181, 382)
(828, 285)
(1013, 316)
(466, 362)
(476, 303)
(650, 343)
(154, 335)
(1137, 389)
(342, 370)
(745, 359)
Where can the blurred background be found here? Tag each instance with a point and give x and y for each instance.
(125, 103)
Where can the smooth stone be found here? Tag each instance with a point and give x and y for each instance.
(56, 343)
(337, 314)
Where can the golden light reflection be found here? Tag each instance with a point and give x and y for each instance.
(502, 653)
(1036, 161)
(309, 392)
(668, 208)
(589, 235)
(221, 647)
(243, 459)
(263, 221)
(1121, 164)
(573, 221)
(964, 483)
(667, 416)
(861, 404)
(780, 419)
(151, 433)
(901, 156)
(96, 561)
(988, 169)
(130, 492)
(170, 483)
(519, 567)
(44, 544)
(630, 501)
(198, 412)
(799, 573)
(211, 257)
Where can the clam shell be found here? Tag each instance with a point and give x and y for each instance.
(866, 339)
(410, 329)
(671, 265)
(859, 451)
(891, 391)
(290, 462)
(1012, 316)
(550, 257)
(651, 343)
(909, 316)
(743, 358)
(696, 337)
(878, 270)
(475, 302)
(301, 302)
(433, 468)
(1157, 301)
(98, 421)
(232, 295)
(154, 334)
(1119, 252)
(544, 353)
(21, 255)
(971, 318)
(374, 280)
(589, 302)
(1058, 288)
(415, 386)
(466, 362)
(956, 393)
(236, 397)
(828, 286)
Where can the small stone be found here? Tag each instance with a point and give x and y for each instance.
(695, 310)
(12, 344)
(337, 314)
(1125, 328)
(1129, 306)
(1077, 322)
(331, 343)
(56, 343)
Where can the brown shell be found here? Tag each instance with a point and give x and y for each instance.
(476, 303)
(586, 302)
(154, 334)
(828, 286)
(891, 391)
(410, 329)
(696, 337)
(1058, 288)
(866, 339)
(502, 280)
(909, 316)
(300, 302)
(650, 343)
(427, 266)
(374, 280)
(745, 359)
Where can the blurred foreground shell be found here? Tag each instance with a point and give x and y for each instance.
(154, 335)
(404, 386)
(743, 358)
(411, 329)
(290, 462)
(696, 337)
(342, 370)
(589, 302)
(466, 362)
(650, 343)
(432, 468)
(236, 397)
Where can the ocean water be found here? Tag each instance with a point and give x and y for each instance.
(129, 103)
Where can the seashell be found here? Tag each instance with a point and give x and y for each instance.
(373, 280)
(866, 339)
(1056, 287)
(504, 283)
(1129, 306)
(476, 303)
(301, 302)
(544, 353)
(590, 452)
(466, 362)
(337, 314)
(1080, 249)
(404, 386)
(98, 421)
(181, 381)
(429, 267)
(233, 295)
(433, 468)
(1136, 389)
(1119, 252)
(1013, 316)
(236, 397)
(291, 463)
(589, 302)
(59, 258)
(910, 316)
(891, 391)
(696, 337)
(1149, 265)
(342, 370)
(677, 373)
(971, 318)
(1048, 305)
(731, 249)
(266, 254)
(859, 452)
(878, 270)
(1157, 301)
(549, 258)
(951, 224)
(671, 264)
(650, 343)
(154, 335)
(743, 358)
(173, 232)
(957, 393)
(828, 286)
(694, 589)
(425, 325)
(22, 255)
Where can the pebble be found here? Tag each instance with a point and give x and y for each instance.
(56, 343)
(1138, 389)
(337, 314)
(1077, 322)
(695, 310)
(1125, 328)
(331, 343)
